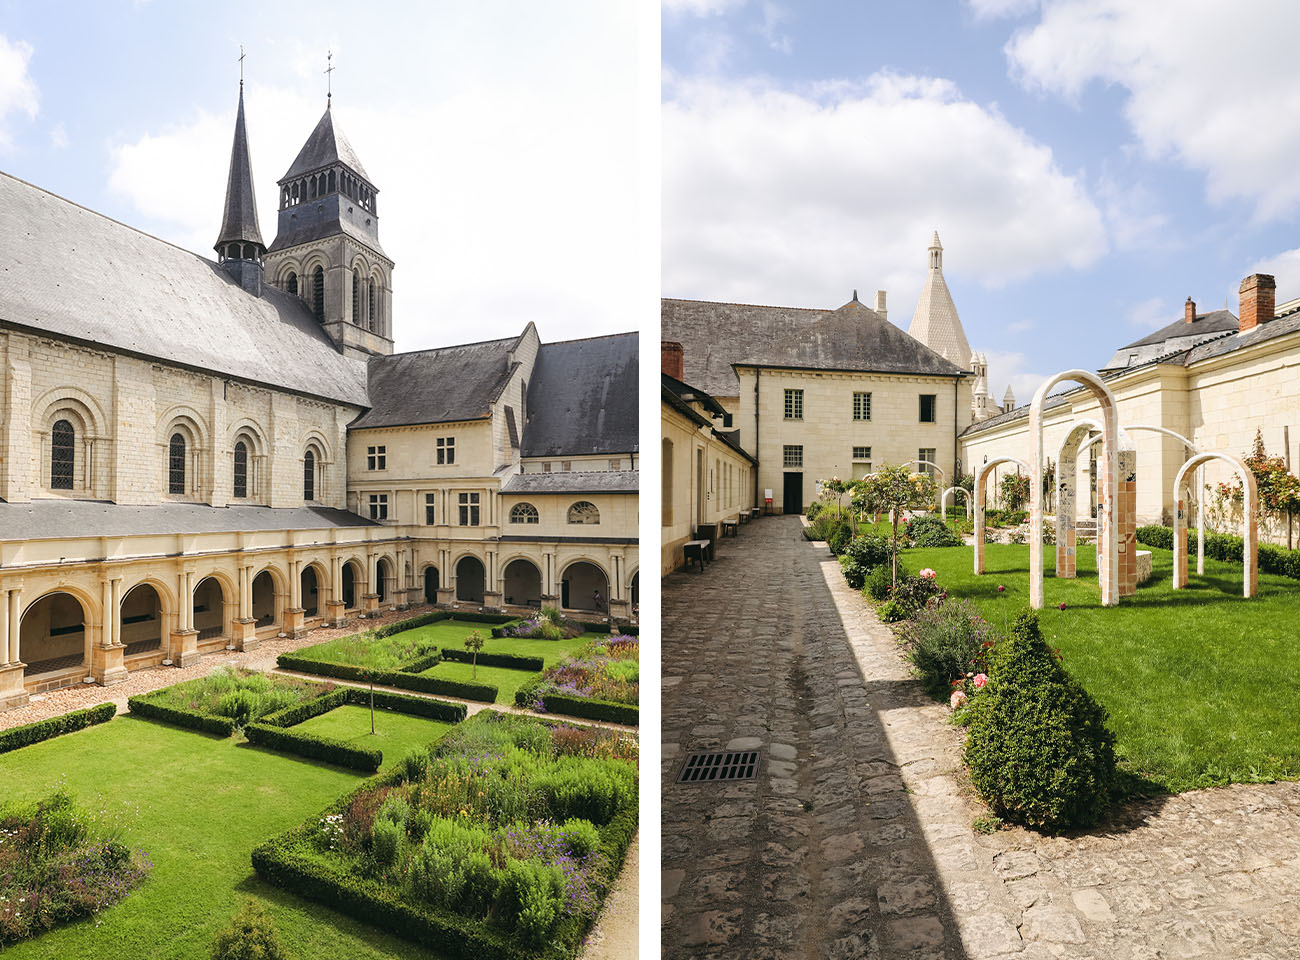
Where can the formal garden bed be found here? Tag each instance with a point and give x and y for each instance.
(502, 842)
(226, 699)
(599, 682)
(60, 862)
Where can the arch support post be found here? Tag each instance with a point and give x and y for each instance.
(334, 605)
(183, 648)
(244, 629)
(295, 615)
(106, 658)
(12, 692)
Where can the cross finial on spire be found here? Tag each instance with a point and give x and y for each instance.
(329, 85)
(855, 296)
(241, 66)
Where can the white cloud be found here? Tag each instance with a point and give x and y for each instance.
(1134, 218)
(701, 8)
(1150, 314)
(798, 197)
(59, 136)
(770, 27)
(1007, 369)
(18, 93)
(1211, 85)
(1284, 267)
(997, 9)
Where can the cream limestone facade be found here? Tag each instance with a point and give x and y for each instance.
(704, 479)
(830, 433)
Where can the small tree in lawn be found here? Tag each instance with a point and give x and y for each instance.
(894, 488)
(474, 643)
(1015, 491)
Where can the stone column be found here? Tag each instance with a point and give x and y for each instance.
(980, 477)
(370, 600)
(12, 692)
(619, 607)
(295, 615)
(334, 608)
(106, 664)
(244, 629)
(183, 650)
(491, 598)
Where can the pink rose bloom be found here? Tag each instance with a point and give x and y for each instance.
(980, 680)
(1001, 588)
(957, 699)
(928, 574)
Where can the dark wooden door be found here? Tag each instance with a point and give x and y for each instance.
(792, 502)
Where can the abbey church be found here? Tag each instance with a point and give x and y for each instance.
(197, 455)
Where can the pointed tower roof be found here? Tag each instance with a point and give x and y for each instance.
(935, 322)
(239, 222)
(325, 147)
(1009, 398)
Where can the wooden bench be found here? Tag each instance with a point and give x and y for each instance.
(730, 527)
(697, 551)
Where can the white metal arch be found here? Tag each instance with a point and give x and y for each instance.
(943, 501)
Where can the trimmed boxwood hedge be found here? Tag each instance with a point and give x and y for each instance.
(511, 661)
(300, 712)
(401, 703)
(422, 664)
(51, 727)
(605, 710)
(143, 706)
(289, 861)
(1228, 548)
(286, 740)
(485, 692)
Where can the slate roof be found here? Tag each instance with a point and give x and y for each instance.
(325, 147)
(1173, 338)
(854, 337)
(714, 335)
(582, 398)
(62, 519)
(293, 232)
(239, 222)
(680, 395)
(442, 385)
(76, 274)
(581, 481)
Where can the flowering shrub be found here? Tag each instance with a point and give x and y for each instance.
(543, 627)
(503, 821)
(58, 864)
(944, 642)
(605, 669)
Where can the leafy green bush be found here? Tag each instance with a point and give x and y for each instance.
(535, 892)
(250, 936)
(891, 611)
(911, 594)
(386, 839)
(814, 508)
(1037, 744)
(931, 531)
(942, 642)
(840, 535)
(29, 733)
(861, 555)
(879, 581)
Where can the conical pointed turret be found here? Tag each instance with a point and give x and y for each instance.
(935, 322)
(239, 223)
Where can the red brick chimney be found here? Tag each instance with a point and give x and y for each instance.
(1258, 292)
(670, 358)
(1189, 311)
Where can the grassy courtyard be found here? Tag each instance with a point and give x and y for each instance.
(197, 805)
(1199, 683)
(396, 734)
(506, 680)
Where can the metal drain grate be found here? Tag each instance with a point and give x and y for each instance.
(712, 767)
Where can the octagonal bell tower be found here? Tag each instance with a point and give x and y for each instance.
(326, 249)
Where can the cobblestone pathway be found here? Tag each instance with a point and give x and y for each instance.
(856, 840)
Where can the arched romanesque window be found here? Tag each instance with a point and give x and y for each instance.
(63, 455)
(318, 293)
(584, 511)
(176, 465)
(309, 476)
(292, 284)
(241, 469)
(370, 312)
(523, 513)
(356, 296)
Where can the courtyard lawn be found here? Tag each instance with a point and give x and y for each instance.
(452, 633)
(507, 681)
(197, 805)
(1199, 683)
(396, 734)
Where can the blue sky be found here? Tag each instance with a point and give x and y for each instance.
(499, 135)
(1088, 164)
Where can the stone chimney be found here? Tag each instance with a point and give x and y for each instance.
(879, 305)
(1189, 311)
(1258, 293)
(670, 358)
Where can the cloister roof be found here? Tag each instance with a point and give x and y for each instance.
(582, 398)
(442, 385)
(64, 519)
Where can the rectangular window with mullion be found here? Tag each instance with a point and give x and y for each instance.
(378, 506)
(927, 408)
(794, 404)
(430, 513)
(861, 406)
(792, 455)
(469, 509)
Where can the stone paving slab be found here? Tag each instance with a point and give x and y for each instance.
(872, 854)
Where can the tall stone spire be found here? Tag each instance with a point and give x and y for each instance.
(239, 246)
(935, 322)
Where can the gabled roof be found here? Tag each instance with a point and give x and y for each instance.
(582, 398)
(442, 385)
(855, 337)
(325, 147)
(76, 274)
(679, 396)
(714, 335)
(583, 481)
(1173, 338)
(239, 220)
(60, 519)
